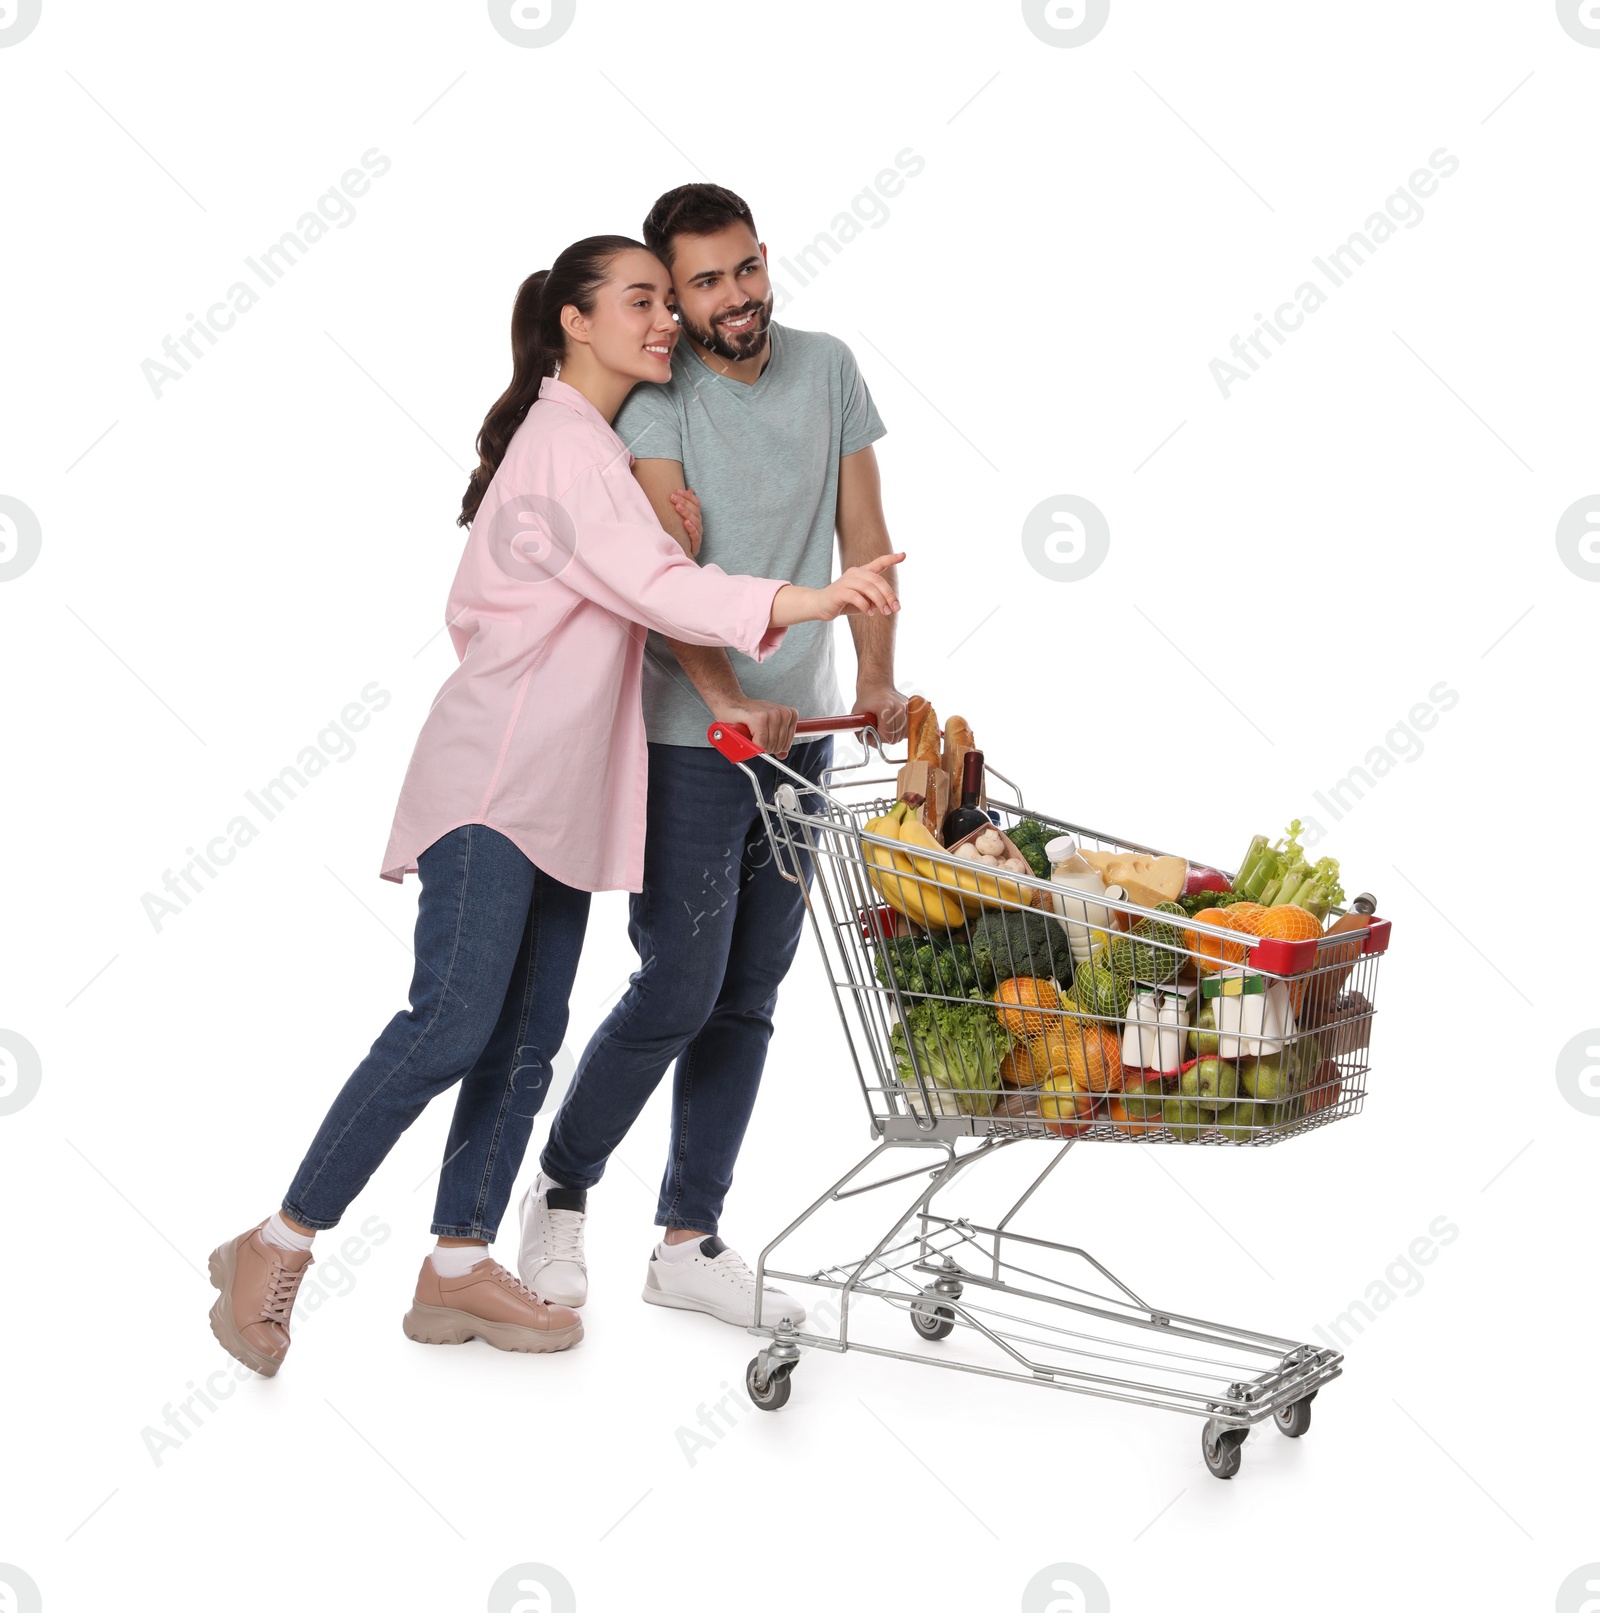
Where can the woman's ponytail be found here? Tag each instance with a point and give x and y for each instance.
(537, 347)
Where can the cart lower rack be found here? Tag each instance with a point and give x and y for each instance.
(964, 1045)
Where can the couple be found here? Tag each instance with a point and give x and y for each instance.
(567, 754)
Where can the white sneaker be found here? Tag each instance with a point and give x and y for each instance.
(550, 1260)
(715, 1280)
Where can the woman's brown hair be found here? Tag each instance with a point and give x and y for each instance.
(537, 346)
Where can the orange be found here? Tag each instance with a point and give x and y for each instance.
(1029, 1063)
(1245, 915)
(1027, 992)
(1208, 952)
(1089, 1052)
(1287, 923)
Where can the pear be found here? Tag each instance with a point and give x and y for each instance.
(1211, 1083)
(1182, 1119)
(1266, 1079)
(1242, 1122)
(1203, 1037)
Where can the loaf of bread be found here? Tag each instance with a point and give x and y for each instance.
(922, 731)
(958, 740)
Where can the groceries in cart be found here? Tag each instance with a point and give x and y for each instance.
(1002, 974)
(1045, 979)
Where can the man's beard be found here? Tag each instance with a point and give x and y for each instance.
(733, 348)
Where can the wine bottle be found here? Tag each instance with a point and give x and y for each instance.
(966, 815)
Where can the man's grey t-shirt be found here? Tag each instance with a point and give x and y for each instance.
(764, 459)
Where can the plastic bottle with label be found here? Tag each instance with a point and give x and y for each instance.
(1085, 921)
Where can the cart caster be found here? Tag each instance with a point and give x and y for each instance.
(932, 1321)
(1295, 1419)
(773, 1395)
(1220, 1447)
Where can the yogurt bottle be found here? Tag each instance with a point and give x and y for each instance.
(1085, 921)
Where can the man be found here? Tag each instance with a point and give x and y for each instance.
(773, 428)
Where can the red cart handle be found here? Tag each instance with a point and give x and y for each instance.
(733, 738)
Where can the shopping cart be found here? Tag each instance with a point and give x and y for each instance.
(1290, 1027)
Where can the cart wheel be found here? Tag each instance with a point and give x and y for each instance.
(932, 1321)
(776, 1393)
(1221, 1448)
(1294, 1419)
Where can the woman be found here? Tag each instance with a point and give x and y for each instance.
(525, 793)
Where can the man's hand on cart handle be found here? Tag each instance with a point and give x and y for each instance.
(769, 726)
(886, 702)
(734, 740)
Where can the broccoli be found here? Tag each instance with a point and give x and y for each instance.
(1030, 838)
(926, 967)
(1009, 944)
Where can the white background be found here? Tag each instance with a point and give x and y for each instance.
(225, 568)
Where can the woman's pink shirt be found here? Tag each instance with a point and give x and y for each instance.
(538, 733)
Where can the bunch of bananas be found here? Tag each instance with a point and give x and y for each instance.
(928, 889)
(972, 884)
(909, 884)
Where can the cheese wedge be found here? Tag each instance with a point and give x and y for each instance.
(1164, 876)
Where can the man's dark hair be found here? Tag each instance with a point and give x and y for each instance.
(692, 210)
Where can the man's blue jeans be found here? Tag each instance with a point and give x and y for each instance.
(497, 948)
(715, 928)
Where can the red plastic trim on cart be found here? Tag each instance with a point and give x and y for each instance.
(733, 738)
(1279, 957)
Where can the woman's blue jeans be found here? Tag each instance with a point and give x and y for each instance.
(497, 947)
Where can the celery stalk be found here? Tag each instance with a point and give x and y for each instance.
(1259, 865)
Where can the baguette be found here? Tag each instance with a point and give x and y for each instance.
(958, 740)
(922, 731)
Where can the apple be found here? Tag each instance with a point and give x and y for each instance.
(1064, 1108)
(1202, 878)
(1211, 1083)
(1325, 1087)
(1142, 1095)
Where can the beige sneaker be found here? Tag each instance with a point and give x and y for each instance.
(488, 1304)
(259, 1282)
